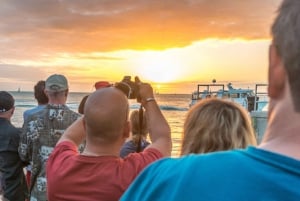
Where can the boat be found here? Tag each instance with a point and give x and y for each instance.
(255, 101)
(244, 97)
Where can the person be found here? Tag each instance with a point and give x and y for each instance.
(99, 173)
(40, 97)
(42, 131)
(270, 171)
(138, 141)
(98, 85)
(42, 101)
(13, 181)
(215, 125)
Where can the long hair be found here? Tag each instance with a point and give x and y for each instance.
(135, 124)
(214, 125)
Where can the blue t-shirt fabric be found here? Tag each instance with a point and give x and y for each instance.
(34, 110)
(236, 175)
(130, 147)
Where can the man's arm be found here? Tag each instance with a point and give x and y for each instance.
(75, 133)
(159, 130)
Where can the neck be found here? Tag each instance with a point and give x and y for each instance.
(282, 134)
(101, 150)
(87, 152)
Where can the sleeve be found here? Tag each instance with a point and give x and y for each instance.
(27, 138)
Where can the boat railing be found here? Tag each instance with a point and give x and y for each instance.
(261, 97)
(207, 90)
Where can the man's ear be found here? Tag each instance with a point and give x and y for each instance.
(46, 92)
(83, 121)
(277, 73)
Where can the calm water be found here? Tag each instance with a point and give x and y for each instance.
(173, 106)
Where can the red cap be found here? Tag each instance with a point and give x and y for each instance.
(102, 84)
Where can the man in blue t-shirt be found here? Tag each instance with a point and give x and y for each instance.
(40, 97)
(269, 172)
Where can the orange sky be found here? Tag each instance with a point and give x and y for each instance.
(172, 44)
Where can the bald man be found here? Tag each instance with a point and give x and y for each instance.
(99, 173)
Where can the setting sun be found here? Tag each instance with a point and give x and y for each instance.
(159, 67)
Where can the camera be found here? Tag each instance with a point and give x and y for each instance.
(129, 88)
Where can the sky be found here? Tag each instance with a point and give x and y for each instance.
(172, 44)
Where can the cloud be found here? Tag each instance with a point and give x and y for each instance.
(33, 28)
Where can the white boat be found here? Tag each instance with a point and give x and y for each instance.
(245, 97)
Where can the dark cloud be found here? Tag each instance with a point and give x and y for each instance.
(31, 28)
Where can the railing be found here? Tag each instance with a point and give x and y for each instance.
(261, 96)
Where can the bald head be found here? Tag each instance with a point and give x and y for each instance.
(106, 113)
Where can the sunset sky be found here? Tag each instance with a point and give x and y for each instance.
(173, 44)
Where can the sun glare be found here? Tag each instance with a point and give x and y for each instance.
(159, 67)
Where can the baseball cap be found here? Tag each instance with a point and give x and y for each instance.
(6, 101)
(56, 83)
(102, 84)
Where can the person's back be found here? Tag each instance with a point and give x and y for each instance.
(13, 178)
(42, 130)
(99, 173)
(139, 131)
(270, 171)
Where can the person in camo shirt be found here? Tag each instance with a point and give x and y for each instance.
(42, 131)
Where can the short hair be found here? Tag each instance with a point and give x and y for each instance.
(286, 38)
(214, 125)
(39, 93)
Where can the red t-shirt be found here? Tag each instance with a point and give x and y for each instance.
(75, 177)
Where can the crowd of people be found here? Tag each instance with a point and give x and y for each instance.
(107, 152)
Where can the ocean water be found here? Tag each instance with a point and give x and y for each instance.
(173, 106)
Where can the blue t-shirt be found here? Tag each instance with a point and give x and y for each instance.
(237, 175)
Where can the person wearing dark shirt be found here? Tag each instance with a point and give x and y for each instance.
(13, 183)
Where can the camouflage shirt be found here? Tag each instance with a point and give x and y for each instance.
(41, 131)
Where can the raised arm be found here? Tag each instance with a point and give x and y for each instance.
(75, 133)
(159, 130)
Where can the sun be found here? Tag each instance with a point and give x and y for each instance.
(159, 67)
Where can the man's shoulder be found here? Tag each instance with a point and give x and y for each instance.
(9, 128)
(201, 160)
(143, 158)
(54, 112)
(34, 110)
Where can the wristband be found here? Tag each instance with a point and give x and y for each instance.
(150, 99)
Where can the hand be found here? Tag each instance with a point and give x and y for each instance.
(145, 90)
